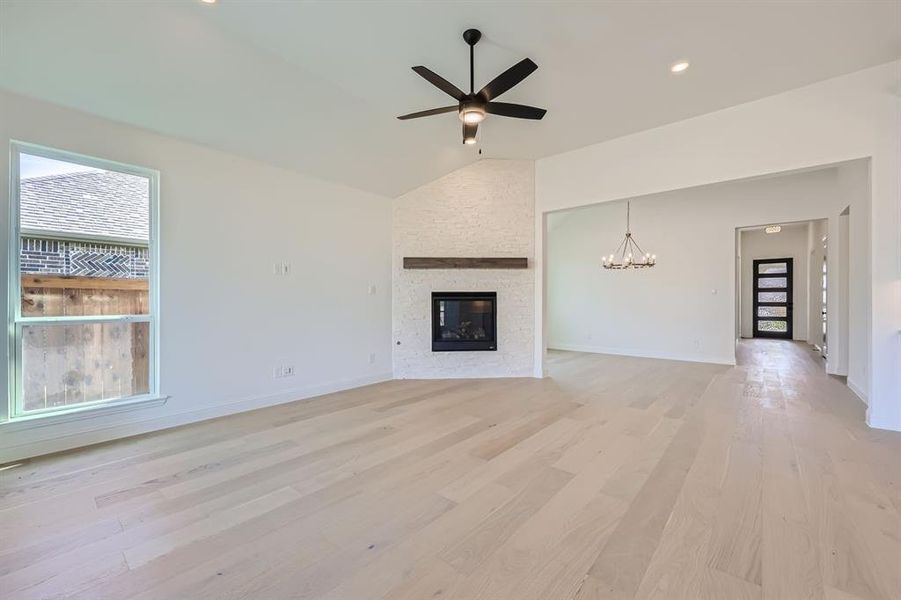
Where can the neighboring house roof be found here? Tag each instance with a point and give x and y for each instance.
(102, 203)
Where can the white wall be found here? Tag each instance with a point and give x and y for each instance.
(791, 242)
(484, 209)
(854, 186)
(845, 118)
(683, 308)
(226, 320)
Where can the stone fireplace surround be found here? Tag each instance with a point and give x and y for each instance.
(483, 209)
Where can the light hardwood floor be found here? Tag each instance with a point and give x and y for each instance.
(615, 478)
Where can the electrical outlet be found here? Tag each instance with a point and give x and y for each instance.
(283, 371)
(372, 290)
(372, 358)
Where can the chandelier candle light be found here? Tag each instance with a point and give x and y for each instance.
(625, 255)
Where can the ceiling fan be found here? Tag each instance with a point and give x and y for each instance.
(474, 106)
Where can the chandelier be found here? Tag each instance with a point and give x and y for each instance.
(625, 255)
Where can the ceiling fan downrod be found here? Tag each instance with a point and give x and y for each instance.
(472, 37)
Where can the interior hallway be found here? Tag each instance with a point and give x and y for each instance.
(616, 477)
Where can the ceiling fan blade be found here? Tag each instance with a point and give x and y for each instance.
(430, 112)
(469, 130)
(440, 82)
(508, 79)
(519, 111)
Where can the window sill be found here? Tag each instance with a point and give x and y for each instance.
(81, 413)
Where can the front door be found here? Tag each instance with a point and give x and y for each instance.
(773, 298)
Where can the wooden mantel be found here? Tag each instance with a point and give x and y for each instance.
(446, 262)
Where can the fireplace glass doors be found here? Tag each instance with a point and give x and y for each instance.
(464, 321)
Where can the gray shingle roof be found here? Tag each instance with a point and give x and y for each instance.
(104, 203)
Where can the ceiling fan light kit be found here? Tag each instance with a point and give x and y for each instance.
(472, 108)
(473, 113)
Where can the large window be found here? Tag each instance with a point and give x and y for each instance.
(83, 282)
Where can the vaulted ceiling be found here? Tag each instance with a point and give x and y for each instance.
(316, 86)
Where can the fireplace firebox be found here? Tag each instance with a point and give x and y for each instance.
(464, 321)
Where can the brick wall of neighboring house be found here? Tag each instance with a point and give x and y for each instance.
(83, 259)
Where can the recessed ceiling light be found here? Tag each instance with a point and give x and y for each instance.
(680, 66)
(208, 1)
(773, 229)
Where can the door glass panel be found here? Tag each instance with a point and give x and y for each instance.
(772, 296)
(65, 365)
(772, 282)
(772, 311)
(772, 268)
(779, 326)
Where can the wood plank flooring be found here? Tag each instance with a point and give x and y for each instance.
(614, 478)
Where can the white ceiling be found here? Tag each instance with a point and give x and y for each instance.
(316, 86)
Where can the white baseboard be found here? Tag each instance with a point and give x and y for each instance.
(83, 432)
(719, 360)
(858, 391)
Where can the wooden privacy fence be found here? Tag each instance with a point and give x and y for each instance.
(58, 295)
(66, 364)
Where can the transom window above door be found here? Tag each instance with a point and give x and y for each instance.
(83, 285)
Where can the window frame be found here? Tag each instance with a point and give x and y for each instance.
(12, 410)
